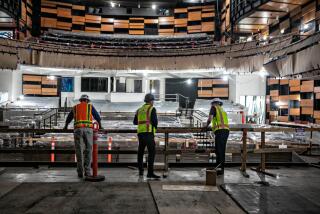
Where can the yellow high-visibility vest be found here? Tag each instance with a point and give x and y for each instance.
(220, 121)
(144, 119)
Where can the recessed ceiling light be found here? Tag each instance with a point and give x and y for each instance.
(112, 4)
(153, 7)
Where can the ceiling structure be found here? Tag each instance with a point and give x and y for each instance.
(266, 14)
(142, 3)
(6, 21)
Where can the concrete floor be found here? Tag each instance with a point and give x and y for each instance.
(58, 190)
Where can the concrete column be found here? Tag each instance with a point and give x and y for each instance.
(114, 84)
(162, 90)
(109, 84)
(145, 85)
(77, 87)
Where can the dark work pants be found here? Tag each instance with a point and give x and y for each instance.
(221, 138)
(146, 139)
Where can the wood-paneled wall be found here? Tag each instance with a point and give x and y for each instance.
(70, 17)
(210, 88)
(293, 100)
(38, 85)
(25, 21)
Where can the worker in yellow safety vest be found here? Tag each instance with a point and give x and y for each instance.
(220, 126)
(83, 115)
(147, 121)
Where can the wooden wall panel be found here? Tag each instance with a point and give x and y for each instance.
(294, 111)
(194, 16)
(316, 114)
(205, 83)
(273, 81)
(220, 92)
(294, 82)
(307, 110)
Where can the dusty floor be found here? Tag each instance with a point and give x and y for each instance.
(58, 190)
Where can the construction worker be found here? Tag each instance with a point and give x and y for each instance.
(220, 126)
(147, 121)
(83, 114)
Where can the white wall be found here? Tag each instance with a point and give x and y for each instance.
(244, 85)
(11, 82)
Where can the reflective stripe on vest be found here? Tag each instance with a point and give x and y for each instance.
(220, 121)
(144, 119)
(82, 115)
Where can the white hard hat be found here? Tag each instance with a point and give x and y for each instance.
(217, 100)
(84, 97)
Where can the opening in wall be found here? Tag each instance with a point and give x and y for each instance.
(94, 84)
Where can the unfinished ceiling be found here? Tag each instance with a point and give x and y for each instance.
(267, 14)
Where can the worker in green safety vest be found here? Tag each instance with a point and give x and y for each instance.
(220, 126)
(147, 121)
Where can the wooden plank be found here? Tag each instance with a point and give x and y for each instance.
(32, 91)
(274, 93)
(274, 98)
(273, 81)
(306, 88)
(166, 20)
(93, 19)
(181, 22)
(151, 21)
(46, 81)
(136, 32)
(220, 92)
(92, 29)
(306, 103)
(107, 28)
(307, 110)
(283, 118)
(219, 82)
(316, 114)
(64, 12)
(31, 78)
(208, 15)
(194, 16)
(207, 26)
(80, 20)
(294, 97)
(205, 83)
(78, 7)
(107, 20)
(317, 96)
(317, 89)
(48, 10)
(48, 22)
(295, 88)
(294, 111)
(194, 28)
(284, 98)
(29, 86)
(294, 82)
(284, 81)
(180, 10)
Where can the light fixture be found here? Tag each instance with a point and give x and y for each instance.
(21, 97)
(249, 39)
(153, 7)
(153, 91)
(51, 77)
(305, 26)
(282, 31)
(139, 6)
(225, 78)
(189, 81)
(265, 37)
(112, 4)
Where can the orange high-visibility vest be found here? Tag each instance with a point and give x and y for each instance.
(82, 115)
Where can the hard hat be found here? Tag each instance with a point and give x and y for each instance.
(84, 97)
(148, 98)
(217, 100)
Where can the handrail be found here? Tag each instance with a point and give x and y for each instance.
(233, 127)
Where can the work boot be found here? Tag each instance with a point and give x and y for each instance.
(141, 172)
(153, 176)
(80, 175)
(87, 174)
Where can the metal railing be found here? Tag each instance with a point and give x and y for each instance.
(263, 150)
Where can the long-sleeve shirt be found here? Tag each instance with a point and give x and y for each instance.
(212, 114)
(94, 112)
(153, 119)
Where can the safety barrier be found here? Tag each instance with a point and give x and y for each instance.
(167, 131)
